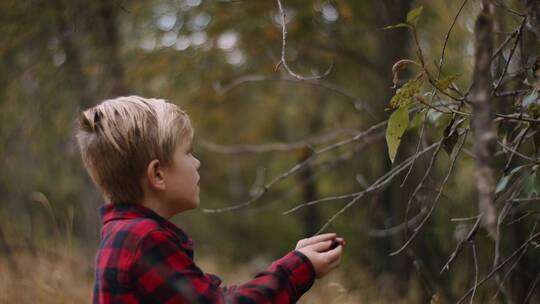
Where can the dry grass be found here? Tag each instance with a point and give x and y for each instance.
(46, 278)
(52, 277)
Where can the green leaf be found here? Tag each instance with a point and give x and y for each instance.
(413, 15)
(396, 26)
(397, 124)
(445, 82)
(503, 182)
(501, 185)
(532, 184)
(417, 120)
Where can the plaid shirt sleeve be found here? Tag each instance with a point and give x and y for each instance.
(163, 273)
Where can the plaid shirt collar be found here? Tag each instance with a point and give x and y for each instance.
(126, 211)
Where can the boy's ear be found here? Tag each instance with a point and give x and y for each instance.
(154, 174)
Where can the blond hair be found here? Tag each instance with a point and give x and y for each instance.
(119, 137)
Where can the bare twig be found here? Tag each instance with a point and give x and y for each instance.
(505, 147)
(488, 276)
(296, 168)
(532, 288)
(275, 147)
(475, 259)
(382, 233)
(428, 215)
(382, 181)
(459, 247)
(514, 265)
(283, 61)
(520, 138)
(518, 36)
(357, 102)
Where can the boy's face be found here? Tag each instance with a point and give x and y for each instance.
(182, 192)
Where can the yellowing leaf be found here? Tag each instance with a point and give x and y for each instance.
(445, 82)
(405, 94)
(397, 124)
(413, 15)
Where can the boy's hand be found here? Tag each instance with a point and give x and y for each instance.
(324, 252)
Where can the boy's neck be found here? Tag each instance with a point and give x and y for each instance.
(158, 207)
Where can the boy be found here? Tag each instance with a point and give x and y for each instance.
(138, 152)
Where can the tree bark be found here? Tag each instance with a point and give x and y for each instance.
(482, 120)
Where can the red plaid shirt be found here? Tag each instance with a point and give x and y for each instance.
(144, 258)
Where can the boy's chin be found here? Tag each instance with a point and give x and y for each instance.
(195, 204)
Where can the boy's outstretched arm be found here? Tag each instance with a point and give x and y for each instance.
(165, 274)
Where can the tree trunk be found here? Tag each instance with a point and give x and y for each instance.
(482, 120)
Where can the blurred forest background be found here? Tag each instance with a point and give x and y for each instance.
(272, 136)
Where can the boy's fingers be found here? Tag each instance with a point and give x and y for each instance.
(321, 246)
(315, 239)
(318, 238)
(334, 254)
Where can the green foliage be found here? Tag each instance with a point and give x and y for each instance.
(445, 82)
(503, 182)
(399, 119)
(532, 184)
(397, 124)
(412, 18)
(417, 120)
(413, 15)
(405, 95)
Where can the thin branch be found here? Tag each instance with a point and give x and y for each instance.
(356, 101)
(295, 169)
(526, 199)
(475, 259)
(487, 277)
(460, 245)
(520, 138)
(382, 181)
(382, 233)
(531, 290)
(505, 147)
(518, 117)
(274, 147)
(514, 265)
(516, 43)
(417, 229)
(283, 61)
